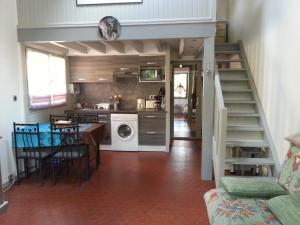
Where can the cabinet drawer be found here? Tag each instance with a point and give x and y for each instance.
(151, 116)
(105, 118)
(102, 117)
(152, 129)
(107, 137)
(152, 138)
(157, 125)
(87, 118)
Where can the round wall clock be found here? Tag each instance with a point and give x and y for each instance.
(109, 28)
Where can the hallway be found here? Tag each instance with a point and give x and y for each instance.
(184, 127)
(128, 189)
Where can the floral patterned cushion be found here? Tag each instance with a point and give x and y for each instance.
(224, 209)
(289, 177)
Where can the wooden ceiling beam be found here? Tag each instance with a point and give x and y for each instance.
(73, 46)
(137, 46)
(158, 45)
(48, 47)
(199, 52)
(181, 47)
(98, 46)
(116, 45)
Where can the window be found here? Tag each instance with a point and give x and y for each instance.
(180, 85)
(46, 76)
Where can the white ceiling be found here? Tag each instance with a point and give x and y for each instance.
(183, 47)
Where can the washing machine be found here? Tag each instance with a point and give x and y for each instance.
(124, 132)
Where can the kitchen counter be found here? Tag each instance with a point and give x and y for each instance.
(122, 111)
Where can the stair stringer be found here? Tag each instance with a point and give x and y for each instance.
(261, 112)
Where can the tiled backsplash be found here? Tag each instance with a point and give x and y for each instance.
(129, 88)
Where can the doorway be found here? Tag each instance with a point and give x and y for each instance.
(184, 102)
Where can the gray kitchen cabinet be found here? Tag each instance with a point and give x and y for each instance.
(152, 129)
(105, 118)
(88, 78)
(85, 69)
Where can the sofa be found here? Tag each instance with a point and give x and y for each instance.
(259, 201)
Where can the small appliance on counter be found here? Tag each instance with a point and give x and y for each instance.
(150, 103)
(141, 103)
(102, 106)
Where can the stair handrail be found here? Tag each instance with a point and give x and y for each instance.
(220, 130)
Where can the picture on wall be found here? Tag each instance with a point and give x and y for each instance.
(99, 2)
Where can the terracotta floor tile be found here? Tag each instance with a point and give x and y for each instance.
(128, 189)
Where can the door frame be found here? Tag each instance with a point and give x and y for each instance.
(193, 65)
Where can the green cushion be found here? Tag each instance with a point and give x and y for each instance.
(284, 210)
(289, 177)
(252, 187)
(295, 199)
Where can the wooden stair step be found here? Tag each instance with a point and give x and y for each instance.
(233, 79)
(247, 143)
(231, 69)
(226, 44)
(229, 60)
(236, 90)
(239, 102)
(227, 52)
(243, 114)
(244, 128)
(250, 161)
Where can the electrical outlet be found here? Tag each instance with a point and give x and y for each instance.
(11, 178)
(152, 97)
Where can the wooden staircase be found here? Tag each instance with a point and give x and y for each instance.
(248, 145)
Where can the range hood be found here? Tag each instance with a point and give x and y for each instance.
(126, 72)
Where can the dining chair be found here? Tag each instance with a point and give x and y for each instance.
(27, 141)
(71, 148)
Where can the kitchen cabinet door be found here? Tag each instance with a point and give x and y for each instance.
(105, 118)
(88, 78)
(152, 129)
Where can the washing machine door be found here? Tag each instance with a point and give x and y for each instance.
(125, 131)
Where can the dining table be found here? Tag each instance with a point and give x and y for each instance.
(92, 136)
(90, 133)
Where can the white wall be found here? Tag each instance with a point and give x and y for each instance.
(10, 83)
(58, 12)
(270, 31)
(13, 82)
